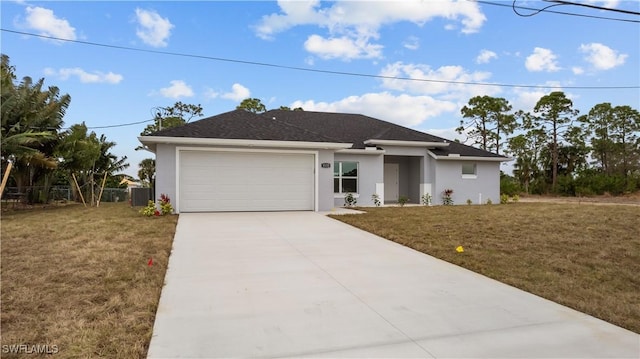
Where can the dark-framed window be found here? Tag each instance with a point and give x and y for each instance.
(345, 177)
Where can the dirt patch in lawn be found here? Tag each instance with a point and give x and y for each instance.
(584, 257)
(77, 280)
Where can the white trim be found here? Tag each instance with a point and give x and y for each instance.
(469, 176)
(380, 192)
(406, 143)
(342, 195)
(470, 158)
(356, 151)
(191, 141)
(250, 150)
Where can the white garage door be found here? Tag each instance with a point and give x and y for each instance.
(213, 181)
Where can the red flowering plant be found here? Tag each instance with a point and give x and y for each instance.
(165, 204)
(152, 210)
(447, 198)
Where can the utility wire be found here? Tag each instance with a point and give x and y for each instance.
(562, 2)
(306, 69)
(112, 126)
(513, 6)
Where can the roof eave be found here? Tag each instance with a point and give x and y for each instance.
(455, 157)
(406, 143)
(152, 141)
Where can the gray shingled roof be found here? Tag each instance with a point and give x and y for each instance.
(309, 126)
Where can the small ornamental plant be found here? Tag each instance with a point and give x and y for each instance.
(426, 199)
(150, 210)
(447, 198)
(165, 205)
(350, 200)
(402, 200)
(376, 199)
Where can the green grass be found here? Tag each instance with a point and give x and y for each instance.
(78, 278)
(582, 256)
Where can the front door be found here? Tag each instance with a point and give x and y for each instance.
(391, 180)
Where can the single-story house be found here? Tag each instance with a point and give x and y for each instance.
(303, 160)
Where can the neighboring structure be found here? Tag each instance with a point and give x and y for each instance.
(301, 160)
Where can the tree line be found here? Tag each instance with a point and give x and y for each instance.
(41, 152)
(556, 150)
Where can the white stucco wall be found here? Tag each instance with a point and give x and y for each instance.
(370, 173)
(486, 185)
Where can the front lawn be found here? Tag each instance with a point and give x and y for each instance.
(583, 256)
(78, 280)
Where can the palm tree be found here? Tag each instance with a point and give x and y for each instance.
(31, 118)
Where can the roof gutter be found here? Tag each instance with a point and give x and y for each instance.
(407, 143)
(457, 157)
(152, 141)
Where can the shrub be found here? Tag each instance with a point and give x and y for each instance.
(515, 198)
(504, 199)
(350, 200)
(426, 199)
(447, 198)
(149, 210)
(165, 205)
(376, 199)
(402, 200)
(469, 202)
(489, 201)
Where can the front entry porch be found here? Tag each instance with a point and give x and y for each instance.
(403, 178)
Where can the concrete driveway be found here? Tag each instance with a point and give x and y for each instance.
(299, 284)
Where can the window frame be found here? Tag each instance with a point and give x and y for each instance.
(467, 175)
(339, 176)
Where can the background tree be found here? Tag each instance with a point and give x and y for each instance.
(147, 172)
(599, 122)
(555, 115)
(626, 137)
(31, 117)
(172, 116)
(489, 121)
(252, 105)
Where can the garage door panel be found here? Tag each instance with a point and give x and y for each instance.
(245, 181)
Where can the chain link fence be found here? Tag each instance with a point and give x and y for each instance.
(58, 194)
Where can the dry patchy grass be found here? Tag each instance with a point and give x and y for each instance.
(78, 278)
(584, 257)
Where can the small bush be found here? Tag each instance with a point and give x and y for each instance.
(469, 202)
(350, 200)
(426, 199)
(504, 199)
(402, 200)
(149, 210)
(489, 201)
(515, 198)
(447, 197)
(376, 199)
(165, 205)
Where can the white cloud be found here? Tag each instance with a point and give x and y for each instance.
(84, 76)
(411, 43)
(238, 93)
(402, 109)
(577, 70)
(177, 90)
(153, 29)
(342, 47)
(602, 57)
(446, 81)
(360, 21)
(525, 99)
(542, 60)
(485, 56)
(46, 22)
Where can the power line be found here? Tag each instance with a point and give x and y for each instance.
(306, 69)
(562, 2)
(112, 126)
(545, 9)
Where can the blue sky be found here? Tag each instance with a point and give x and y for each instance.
(458, 41)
